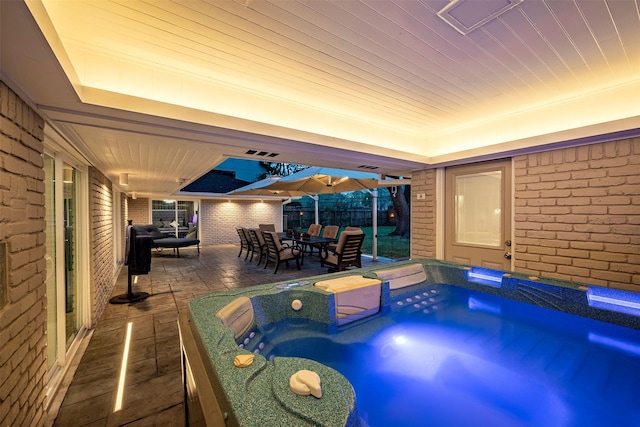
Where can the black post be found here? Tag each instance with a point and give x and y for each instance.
(138, 260)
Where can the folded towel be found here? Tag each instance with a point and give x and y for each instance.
(243, 360)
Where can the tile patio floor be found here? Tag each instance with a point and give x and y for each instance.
(153, 393)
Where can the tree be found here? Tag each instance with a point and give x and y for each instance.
(279, 169)
(400, 196)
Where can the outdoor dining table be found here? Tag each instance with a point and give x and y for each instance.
(322, 242)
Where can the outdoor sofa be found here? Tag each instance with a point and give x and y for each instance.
(161, 241)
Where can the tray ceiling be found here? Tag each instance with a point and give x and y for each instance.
(170, 88)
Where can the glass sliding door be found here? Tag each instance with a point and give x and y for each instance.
(61, 216)
(175, 217)
(67, 261)
(70, 253)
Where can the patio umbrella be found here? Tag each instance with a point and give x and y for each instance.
(321, 180)
(263, 188)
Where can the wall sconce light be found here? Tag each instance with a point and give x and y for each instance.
(134, 196)
(301, 213)
(124, 179)
(67, 175)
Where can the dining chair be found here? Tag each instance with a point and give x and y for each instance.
(314, 230)
(244, 242)
(278, 252)
(347, 252)
(259, 245)
(330, 232)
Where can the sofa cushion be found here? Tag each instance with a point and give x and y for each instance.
(174, 242)
(148, 230)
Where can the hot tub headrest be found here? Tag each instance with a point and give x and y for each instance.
(346, 283)
(404, 276)
(356, 297)
(237, 315)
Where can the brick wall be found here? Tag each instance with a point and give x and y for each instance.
(23, 342)
(577, 214)
(423, 214)
(219, 218)
(101, 240)
(139, 210)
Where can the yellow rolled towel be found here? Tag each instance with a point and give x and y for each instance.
(243, 360)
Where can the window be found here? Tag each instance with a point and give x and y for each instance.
(174, 217)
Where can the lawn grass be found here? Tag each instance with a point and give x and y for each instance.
(388, 246)
(392, 247)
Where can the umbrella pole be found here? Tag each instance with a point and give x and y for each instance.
(374, 218)
(315, 199)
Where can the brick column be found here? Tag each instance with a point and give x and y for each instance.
(423, 214)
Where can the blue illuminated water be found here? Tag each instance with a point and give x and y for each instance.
(470, 359)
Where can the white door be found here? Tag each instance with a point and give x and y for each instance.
(478, 214)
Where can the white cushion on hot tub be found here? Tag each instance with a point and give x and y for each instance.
(345, 283)
(237, 316)
(356, 296)
(404, 276)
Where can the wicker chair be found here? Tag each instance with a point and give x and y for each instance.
(279, 252)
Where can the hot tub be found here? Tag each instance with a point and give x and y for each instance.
(422, 342)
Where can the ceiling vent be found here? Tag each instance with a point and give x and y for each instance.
(467, 15)
(261, 153)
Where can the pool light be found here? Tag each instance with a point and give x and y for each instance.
(484, 276)
(614, 300)
(400, 339)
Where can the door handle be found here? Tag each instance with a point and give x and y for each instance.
(507, 255)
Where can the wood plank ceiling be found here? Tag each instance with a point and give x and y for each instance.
(325, 80)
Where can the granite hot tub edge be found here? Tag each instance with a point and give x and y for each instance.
(259, 394)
